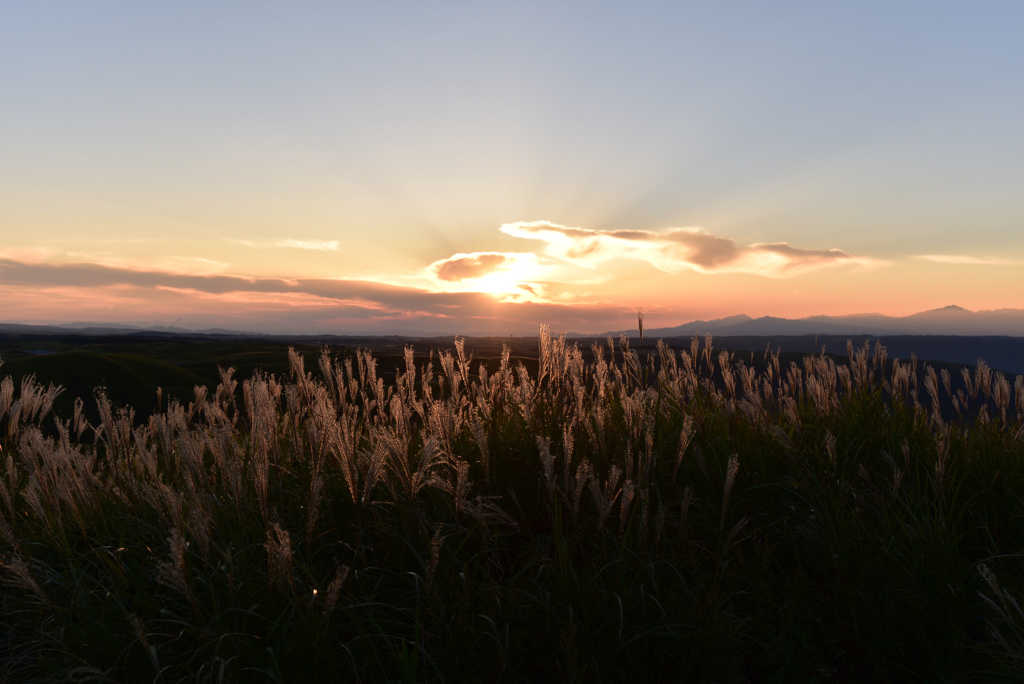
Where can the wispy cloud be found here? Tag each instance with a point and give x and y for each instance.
(321, 245)
(89, 291)
(471, 266)
(678, 249)
(289, 243)
(186, 265)
(963, 260)
(494, 291)
(192, 265)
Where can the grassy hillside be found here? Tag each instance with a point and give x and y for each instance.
(129, 379)
(132, 366)
(666, 516)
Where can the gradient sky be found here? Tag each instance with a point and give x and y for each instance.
(476, 167)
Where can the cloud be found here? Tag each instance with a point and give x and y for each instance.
(321, 245)
(171, 263)
(962, 259)
(677, 249)
(87, 291)
(466, 266)
(192, 265)
(288, 243)
(468, 292)
(512, 275)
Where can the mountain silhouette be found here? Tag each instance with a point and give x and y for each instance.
(948, 320)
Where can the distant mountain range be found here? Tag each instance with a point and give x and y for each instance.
(950, 320)
(110, 329)
(103, 329)
(951, 335)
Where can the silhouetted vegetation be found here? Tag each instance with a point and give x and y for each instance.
(592, 515)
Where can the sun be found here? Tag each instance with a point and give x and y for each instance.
(508, 276)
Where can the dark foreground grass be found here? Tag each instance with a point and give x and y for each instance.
(671, 518)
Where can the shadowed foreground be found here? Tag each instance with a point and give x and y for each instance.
(641, 517)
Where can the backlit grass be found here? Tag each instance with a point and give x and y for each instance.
(641, 517)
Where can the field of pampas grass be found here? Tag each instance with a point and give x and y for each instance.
(619, 516)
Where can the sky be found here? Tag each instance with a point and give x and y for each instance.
(459, 167)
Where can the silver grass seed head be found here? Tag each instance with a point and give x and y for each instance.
(18, 575)
(334, 588)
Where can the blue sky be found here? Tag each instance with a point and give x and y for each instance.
(377, 143)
